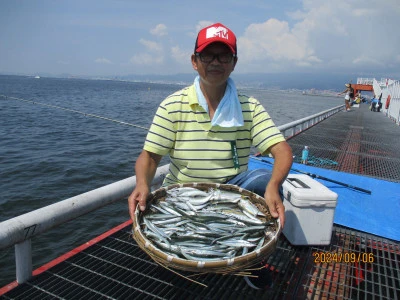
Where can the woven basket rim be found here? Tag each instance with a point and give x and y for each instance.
(222, 265)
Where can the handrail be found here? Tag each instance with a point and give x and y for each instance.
(389, 88)
(28, 225)
(293, 128)
(18, 231)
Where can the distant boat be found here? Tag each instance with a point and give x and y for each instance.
(37, 77)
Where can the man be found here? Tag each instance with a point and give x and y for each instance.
(374, 102)
(207, 129)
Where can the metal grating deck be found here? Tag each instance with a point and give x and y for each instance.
(116, 268)
(361, 265)
(360, 142)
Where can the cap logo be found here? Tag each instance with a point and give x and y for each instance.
(221, 32)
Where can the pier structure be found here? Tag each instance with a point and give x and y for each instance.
(363, 84)
(112, 266)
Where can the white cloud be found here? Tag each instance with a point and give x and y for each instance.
(180, 56)
(153, 54)
(323, 34)
(103, 61)
(273, 41)
(159, 30)
(362, 60)
(201, 24)
(304, 35)
(151, 46)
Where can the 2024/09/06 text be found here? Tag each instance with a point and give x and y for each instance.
(340, 257)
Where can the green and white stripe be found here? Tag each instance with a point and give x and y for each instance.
(200, 152)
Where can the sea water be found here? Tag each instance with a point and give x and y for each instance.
(48, 154)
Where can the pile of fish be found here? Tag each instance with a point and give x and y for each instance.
(206, 226)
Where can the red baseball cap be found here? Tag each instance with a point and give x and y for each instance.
(215, 33)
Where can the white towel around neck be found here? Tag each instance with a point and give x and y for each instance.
(229, 112)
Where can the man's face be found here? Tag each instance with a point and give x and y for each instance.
(214, 64)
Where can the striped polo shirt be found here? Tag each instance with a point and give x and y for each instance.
(200, 152)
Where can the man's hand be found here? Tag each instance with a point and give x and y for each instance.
(275, 205)
(145, 168)
(283, 159)
(139, 195)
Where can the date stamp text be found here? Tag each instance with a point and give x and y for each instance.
(343, 257)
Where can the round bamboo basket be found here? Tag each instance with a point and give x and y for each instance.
(236, 264)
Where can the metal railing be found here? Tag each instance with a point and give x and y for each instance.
(20, 230)
(295, 127)
(390, 89)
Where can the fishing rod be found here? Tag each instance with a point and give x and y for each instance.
(324, 178)
(74, 111)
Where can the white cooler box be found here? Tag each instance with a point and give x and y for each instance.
(310, 207)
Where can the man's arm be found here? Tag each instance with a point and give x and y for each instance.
(145, 169)
(283, 157)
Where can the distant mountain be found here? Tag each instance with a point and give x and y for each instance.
(263, 80)
(295, 80)
(284, 81)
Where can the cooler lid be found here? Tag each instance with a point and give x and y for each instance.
(302, 190)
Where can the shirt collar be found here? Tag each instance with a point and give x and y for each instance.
(200, 97)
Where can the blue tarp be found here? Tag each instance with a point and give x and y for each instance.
(377, 213)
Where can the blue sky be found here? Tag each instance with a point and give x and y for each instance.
(120, 37)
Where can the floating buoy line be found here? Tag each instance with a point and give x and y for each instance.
(74, 111)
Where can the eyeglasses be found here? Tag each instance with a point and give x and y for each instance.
(223, 58)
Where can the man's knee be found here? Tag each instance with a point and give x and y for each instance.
(253, 180)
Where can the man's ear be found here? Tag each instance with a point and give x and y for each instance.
(234, 62)
(194, 61)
